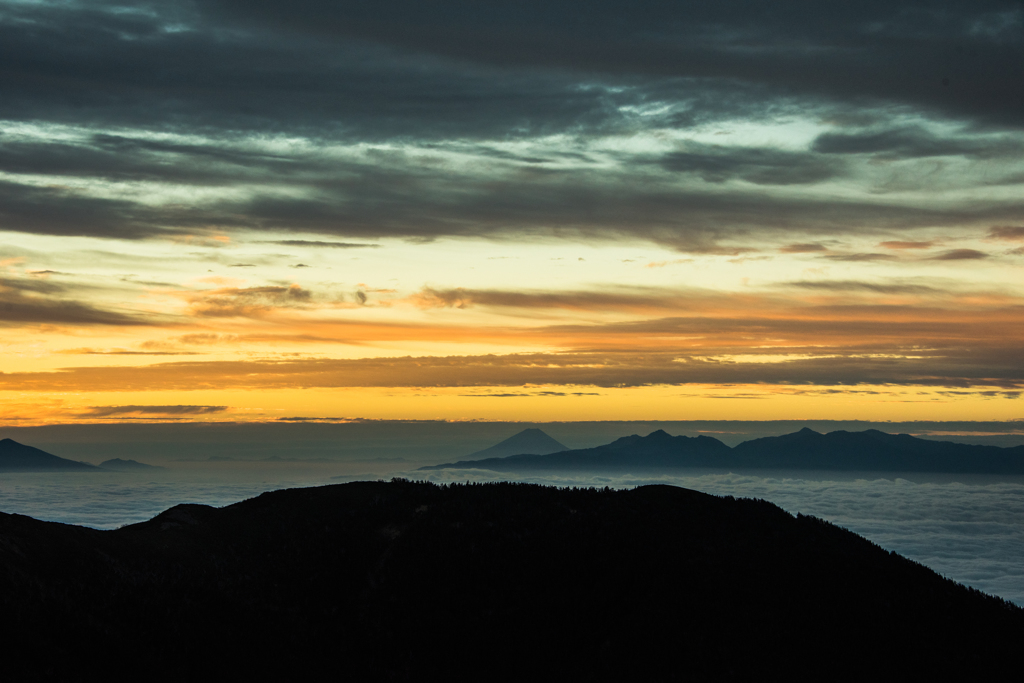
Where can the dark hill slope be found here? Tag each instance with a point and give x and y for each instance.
(16, 457)
(371, 581)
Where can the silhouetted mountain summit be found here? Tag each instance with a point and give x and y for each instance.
(16, 457)
(658, 449)
(120, 465)
(412, 581)
(529, 441)
(870, 450)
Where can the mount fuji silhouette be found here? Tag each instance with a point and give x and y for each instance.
(531, 441)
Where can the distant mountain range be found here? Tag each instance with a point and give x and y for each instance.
(17, 457)
(412, 581)
(870, 450)
(532, 450)
(127, 465)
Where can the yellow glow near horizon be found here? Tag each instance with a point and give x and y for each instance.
(532, 403)
(183, 332)
(565, 321)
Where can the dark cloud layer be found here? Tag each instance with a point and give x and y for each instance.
(41, 302)
(869, 287)
(117, 411)
(961, 255)
(465, 68)
(462, 77)
(232, 302)
(911, 143)
(951, 56)
(325, 245)
(60, 211)
(995, 368)
(1007, 232)
(185, 70)
(760, 166)
(370, 203)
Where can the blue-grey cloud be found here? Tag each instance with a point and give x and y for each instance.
(180, 93)
(761, 166)
(948, 56)
(915, 142)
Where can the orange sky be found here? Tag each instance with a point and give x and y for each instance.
(600, 337)
(680, 213)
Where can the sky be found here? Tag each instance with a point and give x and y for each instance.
(267, 210)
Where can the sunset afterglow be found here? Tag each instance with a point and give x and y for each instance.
(334, 219)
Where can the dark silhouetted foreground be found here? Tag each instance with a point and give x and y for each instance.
(491, 581)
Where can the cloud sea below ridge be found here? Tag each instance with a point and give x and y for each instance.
(970, 530)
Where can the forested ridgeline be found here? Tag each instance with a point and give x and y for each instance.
(405, 580)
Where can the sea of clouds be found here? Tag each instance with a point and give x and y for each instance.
(970, 531)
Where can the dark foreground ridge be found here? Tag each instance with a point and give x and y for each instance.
(413, 581)
(869, 450)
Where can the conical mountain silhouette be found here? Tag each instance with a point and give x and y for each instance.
(17, 457)
(531, 441)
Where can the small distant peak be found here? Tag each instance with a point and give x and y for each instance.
(659, 434)
(532, 441)
(807, 430)
(119, 464)
(8, 441)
